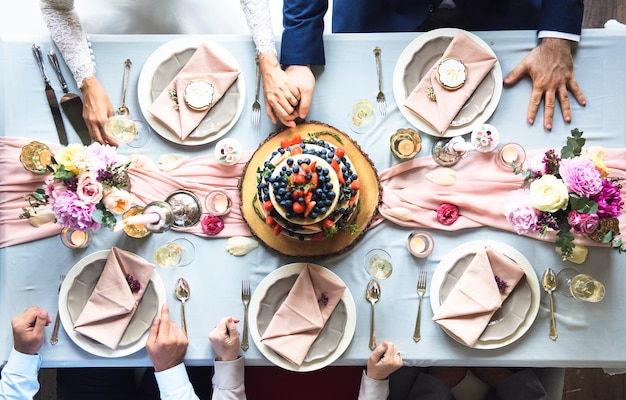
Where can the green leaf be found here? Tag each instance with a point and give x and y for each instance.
(582, 204)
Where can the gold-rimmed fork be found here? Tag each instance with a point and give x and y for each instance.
(380, 97)
(54, 338)
(256, 106)
(421, 290)
(245, 298)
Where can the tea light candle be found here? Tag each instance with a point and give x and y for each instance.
(420, 244)
(218, 202)
(405, 143)
(78, 238)
(75, 239)
(511, 153)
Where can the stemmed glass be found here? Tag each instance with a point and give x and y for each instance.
(572, 283)
(362, 117)
(177, 253)
(378, 263)
(121, 126)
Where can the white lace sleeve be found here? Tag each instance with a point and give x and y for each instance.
(258, 16)
(67, 33)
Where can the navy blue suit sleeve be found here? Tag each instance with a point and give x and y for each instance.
(302, 40)
(562, 16)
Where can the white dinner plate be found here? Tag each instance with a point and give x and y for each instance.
(419, 56)
(134, 339)
(315, 361)
(518, 311)
(164, 63)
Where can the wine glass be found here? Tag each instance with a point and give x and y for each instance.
(572, 283)
(177, 253)
(378, 263)
(362, 117)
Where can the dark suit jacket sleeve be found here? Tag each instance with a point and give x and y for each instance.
(302, 42)
(562, 16)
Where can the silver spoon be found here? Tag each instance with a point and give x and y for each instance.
(372, 294)
(182, 294)
(549, 282)
(123, 110)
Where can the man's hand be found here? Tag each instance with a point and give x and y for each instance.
(167, 344)
(384, 360)
(551, 67)
(281, 95)
(28, 330)
(96, 109)
(225, 339)
(303, 78)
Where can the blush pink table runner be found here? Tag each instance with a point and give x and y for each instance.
(481, 190)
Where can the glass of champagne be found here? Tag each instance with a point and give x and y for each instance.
(177, 253)
(378, 263)
(583, 287)
(362, 117)
(134, 133)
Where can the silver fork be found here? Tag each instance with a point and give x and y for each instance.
(421, 289)
(54, 338)
(245, 297)
(380, 97)
(256, 106)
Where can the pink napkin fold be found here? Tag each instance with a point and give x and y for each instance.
(440, 113)
(303, 314)
(468, 308)
(112, 304)
(207, 65)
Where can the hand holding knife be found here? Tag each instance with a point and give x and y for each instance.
(51, 96)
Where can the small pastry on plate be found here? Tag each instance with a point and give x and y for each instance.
(451, 73)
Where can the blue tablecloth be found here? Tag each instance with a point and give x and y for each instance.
(590, 335)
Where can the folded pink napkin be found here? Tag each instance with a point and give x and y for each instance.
(112, 304)
(439, 113)
(468, 308)
(204, 65)
(301, 317)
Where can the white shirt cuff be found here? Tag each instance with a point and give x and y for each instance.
(172, 379)
(373, 389)
(229, 375)
(23, 364)
(559, 35)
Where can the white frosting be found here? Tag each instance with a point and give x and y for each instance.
(451, 73)
(199, 95)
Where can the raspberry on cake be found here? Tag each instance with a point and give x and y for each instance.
(307, 189)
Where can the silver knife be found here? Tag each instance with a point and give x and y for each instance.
(71, 103)
(51, 96)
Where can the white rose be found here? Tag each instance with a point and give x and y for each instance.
(548, 194)
(117, 201)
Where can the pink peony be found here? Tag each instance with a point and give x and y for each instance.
(447, 213)
(581, 176)
(519, 212)
(75, 213)
(212, 224)
(54, 188)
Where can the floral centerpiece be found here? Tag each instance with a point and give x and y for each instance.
(86, 188)
(568, 192)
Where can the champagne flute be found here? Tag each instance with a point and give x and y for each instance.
(177, 253)
(362, 117)
(580, 286)
(378, 263)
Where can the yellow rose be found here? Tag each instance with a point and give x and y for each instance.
(117, 201)
(67, 155)
(597, 155)
(548, 194)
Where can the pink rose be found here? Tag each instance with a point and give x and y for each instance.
(88, 188)
(212, 224)
(447, 213)
(117, 201)
(54, 188)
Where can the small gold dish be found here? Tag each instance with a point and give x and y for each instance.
(36, 157)
(135, 231)
(405, 143)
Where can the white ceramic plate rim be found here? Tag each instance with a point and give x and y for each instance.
(66, 320)
(449, 260)
(398, 86)
(144, 87)
(259, 294)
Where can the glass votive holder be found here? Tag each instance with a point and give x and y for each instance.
(420, 244)
(511, 156)
(218, 202)
(75, 239)
(405, 143)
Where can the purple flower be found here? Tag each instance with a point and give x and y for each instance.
(73, 212)
(502, 285)
(581, 176)
(520, 214)
(609, 200)
(322, 300)
(133, 283)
